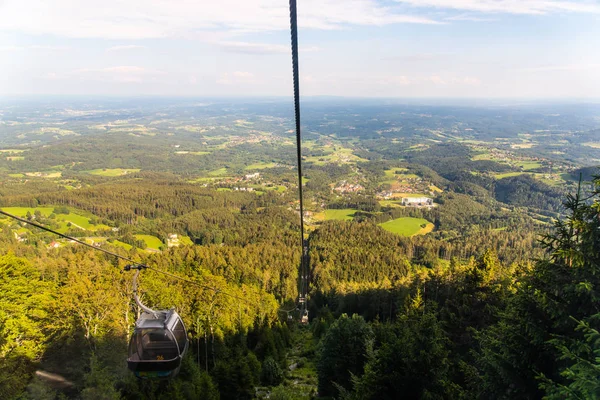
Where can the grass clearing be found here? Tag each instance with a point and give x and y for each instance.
(529, 165)
(218, 172)
(407, 226)
(112, 172)
(185, 241)
(522, 145)
(124, 245)
(340, 155)
(46, 174)
(260, 165)
(22, 211)
(151, 241)
(390, 203)
(193, 153)
(76, 219)
(594, 145)
(411, 195)
(345, 214)
(508, 174)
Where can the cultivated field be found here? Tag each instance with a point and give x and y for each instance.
(407, 226)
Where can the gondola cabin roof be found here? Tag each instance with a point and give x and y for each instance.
(163, 319)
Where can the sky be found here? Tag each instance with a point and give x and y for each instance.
(547, 49)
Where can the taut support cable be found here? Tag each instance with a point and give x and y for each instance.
(295, 71)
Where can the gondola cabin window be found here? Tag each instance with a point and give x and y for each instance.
(180, 336)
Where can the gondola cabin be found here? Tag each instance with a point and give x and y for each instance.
(304, 317)
(157, 345)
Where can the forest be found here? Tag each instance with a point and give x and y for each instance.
(390, 316)
(494, 296)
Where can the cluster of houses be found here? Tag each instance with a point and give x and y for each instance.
(345, 187)
(417, 202)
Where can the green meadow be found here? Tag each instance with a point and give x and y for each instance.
(407, 226)
(345, 214)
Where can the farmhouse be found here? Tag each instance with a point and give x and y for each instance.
(417, 201)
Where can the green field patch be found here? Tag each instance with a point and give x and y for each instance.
(412, 195)
(523, 145)
(16, 175)
(112, 172)
(14, 151)
(595, 145)
(223, 189)
(408, 176)
(243, 123)
(193, 153)
(394, 175)
(407, 226)
(344, 214)
(277, 188)
(22, 211)
(262, 165)
(151, 241)
(482, 156)
(75, 219)
(419, 147)
(390, 203)
(391, 173)
(124, 245)
(261, 188)
(45, 174)
(218, 172)
(15, 158)
(185, 240)
(205, 179)
(94, 239)
(508, 174)
(338, 156)
(529, 165)
(550, 179)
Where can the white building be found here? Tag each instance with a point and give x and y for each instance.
(417, 201)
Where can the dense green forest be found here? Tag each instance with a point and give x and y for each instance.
(390, 317)
(489, 292)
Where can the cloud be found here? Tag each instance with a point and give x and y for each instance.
(419, 57)
(260, 48)
(34, 47)
(437, 80)
(121, 73)
(570, 67)
(468, 17)
(50, 48)
(237, 78)
(126, 47)
(538, 7)
(140, 19)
